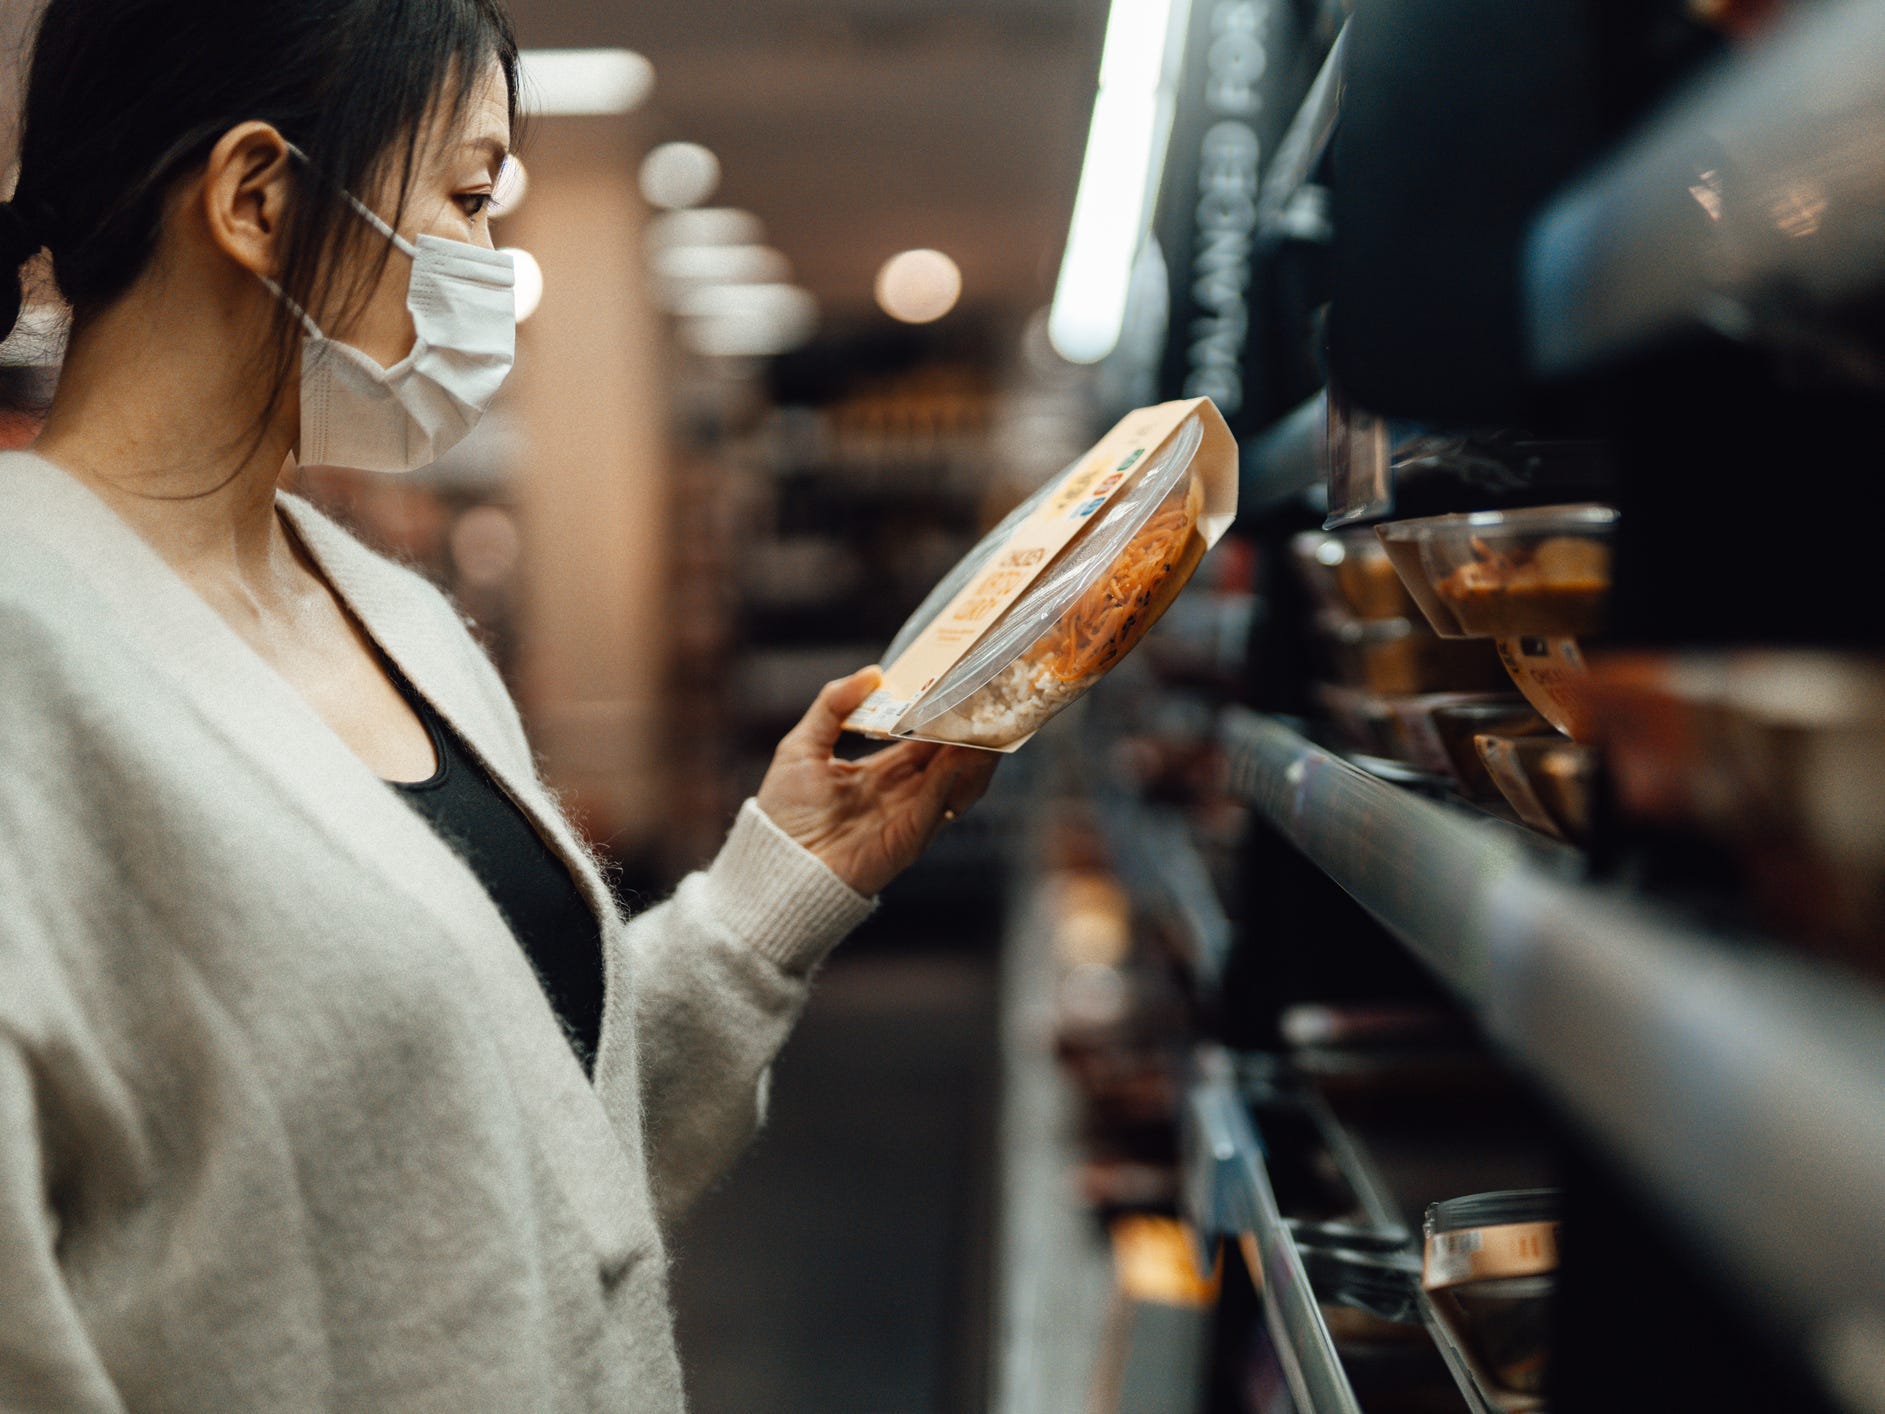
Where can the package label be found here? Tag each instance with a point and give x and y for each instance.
(1084, 489)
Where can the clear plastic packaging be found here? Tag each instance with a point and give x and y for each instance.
(1489, 1268)
(1349, 572)
(1496, 574)
(1776, 758)
(1459, 722)
(1416, 733)
(1399, 657)
(1361, 483)
(1087, 609)
(1548, 782)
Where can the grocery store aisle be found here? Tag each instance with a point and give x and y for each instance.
(842, 1268)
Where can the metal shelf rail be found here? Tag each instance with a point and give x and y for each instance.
(1162, 867)
(1229, 1194)
(1742, 1086)
(1759, 195)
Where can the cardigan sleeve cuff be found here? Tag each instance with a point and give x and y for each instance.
(778, 897)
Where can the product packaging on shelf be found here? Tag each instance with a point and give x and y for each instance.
(1499, 574)
(1489, 1266)
(1061, 590)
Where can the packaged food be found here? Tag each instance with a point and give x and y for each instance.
(1360, 719)
(1489, 1266)
(1400, 657)
(1061, 590)
(1460, 723)
(1545, 571)
(1416, 733)
(1778, 757)
(1553, 676)
(1548, 782)
(1349, 572)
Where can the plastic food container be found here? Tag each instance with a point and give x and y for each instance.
(1360, 719)
(1064, 588)
(1778, 757)
(1496, 574)
(1415, 732)
(1398, 657)
(1554, 678)
(1489, 1266)
(1348, 572)
(1549, 782)
(1459, 722)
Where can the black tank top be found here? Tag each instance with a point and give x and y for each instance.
(531, 886)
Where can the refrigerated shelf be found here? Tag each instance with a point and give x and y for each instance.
(1742, 1086)
(1228, 1193)
(1161, 866)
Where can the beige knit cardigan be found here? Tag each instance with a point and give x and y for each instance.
(286, 1121)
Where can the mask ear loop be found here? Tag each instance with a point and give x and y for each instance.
(367, 214)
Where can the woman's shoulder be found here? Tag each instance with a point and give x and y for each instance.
(37, 582)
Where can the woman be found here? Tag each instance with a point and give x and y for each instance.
(322, 1086)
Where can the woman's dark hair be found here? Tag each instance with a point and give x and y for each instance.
(126, 97)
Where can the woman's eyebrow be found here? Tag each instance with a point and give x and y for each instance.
(495, 148)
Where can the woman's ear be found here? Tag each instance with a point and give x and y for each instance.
(247, 185)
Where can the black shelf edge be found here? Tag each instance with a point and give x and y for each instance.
(1743, 1087)
(1303, 144)
(1285, 460)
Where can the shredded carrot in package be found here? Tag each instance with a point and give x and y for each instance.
(1109, 618)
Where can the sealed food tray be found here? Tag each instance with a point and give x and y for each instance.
(1496, 574)
(1062, 589)
(1459, 722)
(1488, 1268)
(1399, 657)
(1778, 757)
(1549, 782)
(1348, 572)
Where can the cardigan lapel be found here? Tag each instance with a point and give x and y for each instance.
(407, 630)
(253, 709)
(245, 701)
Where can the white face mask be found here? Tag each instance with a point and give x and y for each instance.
(355, 413)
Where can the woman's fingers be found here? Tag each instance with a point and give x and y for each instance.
(818, 731)
(899, 762)
(973, 771)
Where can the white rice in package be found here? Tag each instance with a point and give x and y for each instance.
(1061, 590)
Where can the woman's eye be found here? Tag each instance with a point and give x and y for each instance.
(475, 204)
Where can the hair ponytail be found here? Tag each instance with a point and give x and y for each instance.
(19, 243)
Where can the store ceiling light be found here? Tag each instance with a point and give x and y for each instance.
(676, 175)
(919, 286)
(1132, 117)
(529, 289)
(512, 185)
(747, 321)
(720, 264)
(705, 225)
(585, 82)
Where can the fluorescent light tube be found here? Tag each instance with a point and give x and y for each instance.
(1132, 117)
